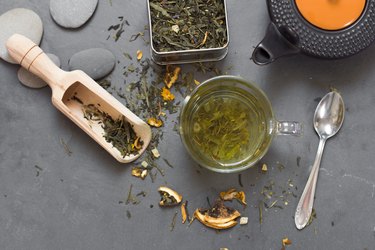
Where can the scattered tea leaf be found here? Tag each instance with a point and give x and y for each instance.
(173, 223)
(66, 147)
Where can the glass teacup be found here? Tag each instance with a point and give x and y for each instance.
(227, 124)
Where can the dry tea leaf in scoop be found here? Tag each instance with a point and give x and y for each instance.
(84, 102)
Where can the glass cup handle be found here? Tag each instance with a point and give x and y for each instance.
(289, 128)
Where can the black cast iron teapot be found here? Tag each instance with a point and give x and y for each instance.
(329, 29)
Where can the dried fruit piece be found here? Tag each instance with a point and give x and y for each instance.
(218, 217)
(155, 152)
(139, 172)
(169, 197)
(183, 212)
(171, 76)
(139, 54)
(244, 220)
(144, 164)
(155, 122)
(167, 95)
(233, 194)
(264, 168)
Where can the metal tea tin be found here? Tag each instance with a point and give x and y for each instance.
(191, 55)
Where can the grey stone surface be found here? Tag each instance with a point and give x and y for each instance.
(22, 21)
(32, 81)
(71, 13)
(95, 62)
(73, 202)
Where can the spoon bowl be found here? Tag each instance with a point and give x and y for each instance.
(329, 115)
(328, 119)
(67, 86)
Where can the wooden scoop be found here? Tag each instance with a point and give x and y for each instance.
(66, 85)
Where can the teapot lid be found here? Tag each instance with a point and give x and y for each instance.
(331, 14)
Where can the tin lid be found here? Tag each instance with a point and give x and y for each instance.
(331, 14)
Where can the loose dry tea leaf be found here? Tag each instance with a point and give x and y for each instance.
(66, 147)
(154, 122)
(233, 194)
(240, 180)
(104, 83)
(131, 198)
(200, 24)
(135, 37)
(139, 55)
(169, 197)
(118, 132)
(173, 223)
(218, 217)
(260, 206)
(312, 217)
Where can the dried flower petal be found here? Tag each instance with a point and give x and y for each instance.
(286, 242)
(155, 122)
(139, 54)
(196, 82)
(167, 95)
(171, 76)
(175, 28)
(169, 197)
(183, 212)
(233, 194)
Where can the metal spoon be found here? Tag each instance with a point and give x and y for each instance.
(328, 118)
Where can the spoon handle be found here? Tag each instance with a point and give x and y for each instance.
(305, 204)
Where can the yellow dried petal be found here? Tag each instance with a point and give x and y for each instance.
(196, 82)
(286, 242)
(171, 76)
(139, 54)
(167, 95)
(183, 212)
(154, 122)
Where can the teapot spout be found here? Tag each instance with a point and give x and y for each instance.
(276, 43)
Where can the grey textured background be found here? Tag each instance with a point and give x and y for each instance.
(74, 202)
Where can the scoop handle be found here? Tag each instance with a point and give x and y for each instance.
(31, 57)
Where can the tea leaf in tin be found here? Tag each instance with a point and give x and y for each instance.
(183, 25)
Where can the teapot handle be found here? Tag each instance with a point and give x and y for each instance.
(276, 43)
